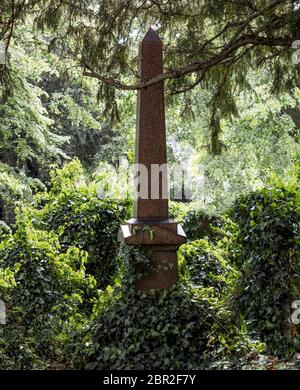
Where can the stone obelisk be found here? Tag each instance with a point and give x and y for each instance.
(151, 226)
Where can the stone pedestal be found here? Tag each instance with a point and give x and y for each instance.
(163, 238)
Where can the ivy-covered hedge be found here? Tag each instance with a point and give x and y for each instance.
(72, 210)
(205, 266)
(15, 187)
(269, 262)
(235, 290)
(198, 224)
(185, 327)
(46, 294)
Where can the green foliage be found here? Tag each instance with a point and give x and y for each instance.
(202, 322)
(76, 112)
(15, 187)
(205, 266)
(67, 232)
(269, 262)
(234, 37)
(72, 209)
(7, 278)
(198, 224)
(46, 292)
(184, 327)
(260, 141)
(178, 211)
(28, 142)
(60, 105)
(4, 230)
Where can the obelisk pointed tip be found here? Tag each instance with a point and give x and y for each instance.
(151, 36)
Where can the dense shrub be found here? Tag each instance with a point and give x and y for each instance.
(47, 294)
(205, 266)
(66, 230)
(269, 262)
(15, 187)
(4, 230)
(243, 276)
(198, 224)
(178, 210)
(185, 327)
(72, 209)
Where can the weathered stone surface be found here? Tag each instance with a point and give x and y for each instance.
(157, 233)
(151, 228)
(163, 273)
(151, 132)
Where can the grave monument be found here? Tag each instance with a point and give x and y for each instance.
(151, 227)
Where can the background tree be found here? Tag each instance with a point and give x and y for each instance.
(208, 44)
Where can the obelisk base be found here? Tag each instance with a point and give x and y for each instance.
(163, 238)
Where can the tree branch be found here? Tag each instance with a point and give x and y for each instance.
(194, 67)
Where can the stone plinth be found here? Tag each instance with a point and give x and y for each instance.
(163, 238)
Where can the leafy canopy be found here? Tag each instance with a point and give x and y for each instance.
(208, 44)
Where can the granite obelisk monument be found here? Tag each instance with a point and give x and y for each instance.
(151, 212)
